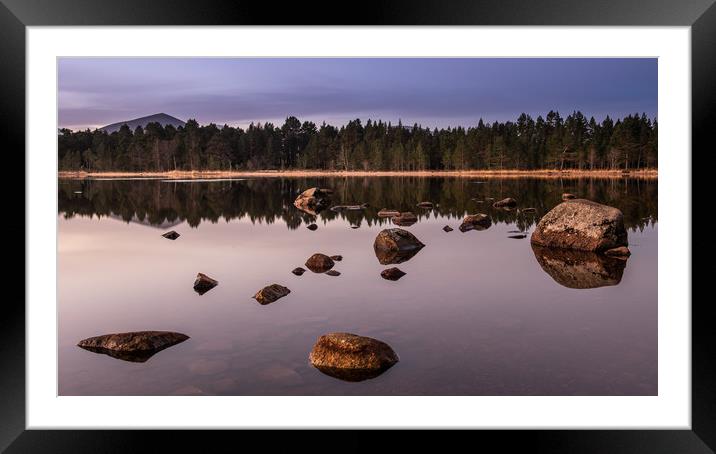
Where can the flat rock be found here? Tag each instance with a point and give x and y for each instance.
(351, 357)
(581, 224)
(509, 202)
(204, 283)
(405, 219)
(298, 271)
(313, 200)
(447, 228)
(171, 235)
(396, 246)
(319, 263)
(311, 226)
(477, 221)
(271, 293)
(579, 269)
(136, 346)
(333, 273)
(392, 274)
(336, 258)
(425, 204)
(518, 237)
(362, 206)
(386, 213)
(528, 210)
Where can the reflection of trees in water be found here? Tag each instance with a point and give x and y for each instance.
(268, 200)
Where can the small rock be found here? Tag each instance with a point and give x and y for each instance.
(386, 213)
(518, 237)
(425, 204)
(336, 258)
(136, 346)
(204, 283)
(351, 357)
(447, 228)
(392, 274)
(171, 235)
(568, 196)
(477, 221)
(312, 227)
(271, 293)
(319, 263)
(405, 219)
(619, 252)
(350, 207)
(332, 273)
(529, 210)
(355, 226)
(509, 202)
(298, 271)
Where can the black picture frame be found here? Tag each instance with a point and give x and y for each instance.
(16, 15)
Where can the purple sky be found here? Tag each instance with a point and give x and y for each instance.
(434, 92)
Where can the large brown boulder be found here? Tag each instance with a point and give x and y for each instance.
(581, 224)
(136, 346)
(319, 263)
(395, 246)
(271, 293)
(313, 200)
(477, 221)
(576, 269)
(351, 357)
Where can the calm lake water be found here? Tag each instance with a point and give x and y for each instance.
(478, 313)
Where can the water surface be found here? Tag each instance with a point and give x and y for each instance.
(478, 313)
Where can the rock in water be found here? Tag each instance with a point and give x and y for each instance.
(518, 237)
(583, 225)
(528, 210)
(319, 263)
(509, 202)
(395, 246)
(136, 346)
(204, 283)
(333, 273)
(298, 271)
(386, 213)
(477, 221)
(351, 357)
(568, 196)
(336, 258)
(579, 269)
(392, 274)
(425, 205)
(313, 200)
(171, 235)
(447, 228)
(619, 252)
(312, 227)
(405, 219)
(271, 293)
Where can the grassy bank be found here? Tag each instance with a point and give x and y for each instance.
(208, 174)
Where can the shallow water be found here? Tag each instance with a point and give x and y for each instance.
(478, 313)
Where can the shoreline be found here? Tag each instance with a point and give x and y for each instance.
(216, 174)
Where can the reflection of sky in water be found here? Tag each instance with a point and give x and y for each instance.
(475, 313)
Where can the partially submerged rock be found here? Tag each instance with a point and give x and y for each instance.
(392, 274)
(336, 258)
(518, 237)
(477, 221)
(333, 273)
(509, 202)
(581, 224)
(313, 200)
(425, 204)
(136, 346)
(386, 213)
(619, 252)
(204, 283)
(319, 263)
(350, 207)
(528, 210)
(405, 219)
(568, 196)
(271, 293)
(171, 235)
(447, 228)
(351, 357)
(579, 269)
(311, 226)
(298, 271)
(396, 246)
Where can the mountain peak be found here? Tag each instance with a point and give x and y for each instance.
(161, 118)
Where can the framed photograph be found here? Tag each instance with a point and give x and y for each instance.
(419, 216)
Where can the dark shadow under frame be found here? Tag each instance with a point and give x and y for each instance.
(15, 15)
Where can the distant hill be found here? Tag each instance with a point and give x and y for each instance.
(160, 118)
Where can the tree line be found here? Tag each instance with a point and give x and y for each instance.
(552, 142)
